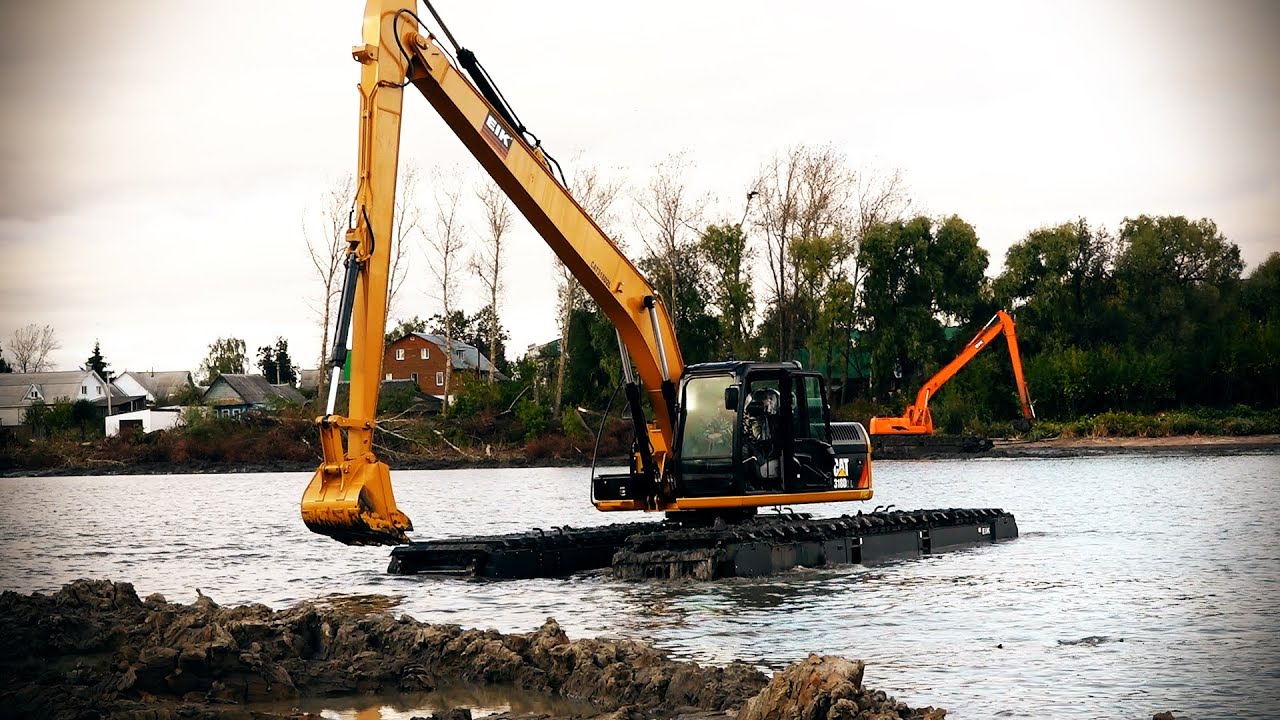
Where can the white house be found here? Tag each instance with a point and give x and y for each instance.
(157, 387)
(18, 391)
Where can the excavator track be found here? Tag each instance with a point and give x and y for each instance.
(557, 552)
(763, 545)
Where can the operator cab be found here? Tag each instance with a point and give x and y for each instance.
(748, 435)
(747, 428)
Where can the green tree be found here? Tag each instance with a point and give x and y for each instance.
(918, 273)
(587, 380)
(226, 355)
(1261, 292)
(727, 266)
(483, 322)
(83, 414)
(1171, 274)
(276, 365)
(459, 327)
(36, 418)
(823, 293)
(1060, 282)
(404, 327)
(697, 331)
(97, 364)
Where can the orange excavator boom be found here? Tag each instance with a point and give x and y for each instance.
(917, 419)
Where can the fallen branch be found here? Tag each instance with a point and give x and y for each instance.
(455, 447)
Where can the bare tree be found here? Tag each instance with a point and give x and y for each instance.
(596, 195)
(325, 235)
(667, 221)
(445, 245)
(486, 263)
(804, 192)
(31, 345)
(776, 188)
(408, 217)
(881, 196)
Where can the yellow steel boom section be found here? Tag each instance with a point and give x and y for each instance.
(350, 497)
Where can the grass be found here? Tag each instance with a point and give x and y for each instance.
(1239, 420)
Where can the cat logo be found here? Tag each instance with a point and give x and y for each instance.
(497, 135)
(842, 467)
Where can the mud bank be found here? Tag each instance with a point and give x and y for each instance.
(94, 650)
(1171, 445)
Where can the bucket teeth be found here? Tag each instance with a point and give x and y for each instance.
(357, 533)
(355, 508)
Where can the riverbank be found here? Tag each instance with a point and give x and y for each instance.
(1001, 448)
(95, 647)
(1170, 445)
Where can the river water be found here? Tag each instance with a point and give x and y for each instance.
(1139, 584)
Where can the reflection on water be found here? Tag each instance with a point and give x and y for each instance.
(1176, 555)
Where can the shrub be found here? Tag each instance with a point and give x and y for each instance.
(532, 418)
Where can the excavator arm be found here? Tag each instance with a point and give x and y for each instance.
(349, 498)
(917, 420)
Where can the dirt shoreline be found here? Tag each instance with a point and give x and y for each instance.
(1171, 445)
(94, 649)
(1049, 448)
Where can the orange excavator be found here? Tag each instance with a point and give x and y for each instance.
(917, 420)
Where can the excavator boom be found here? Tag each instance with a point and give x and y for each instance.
(350, 497)
(917, 420)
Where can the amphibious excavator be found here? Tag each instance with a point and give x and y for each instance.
(723, 439)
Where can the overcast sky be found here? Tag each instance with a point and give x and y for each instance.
(159, 157)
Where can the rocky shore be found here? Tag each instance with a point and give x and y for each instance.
(95, 650)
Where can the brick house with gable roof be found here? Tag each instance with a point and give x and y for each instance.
(420, 357)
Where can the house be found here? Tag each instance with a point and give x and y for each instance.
(158, 387)
(230, 395)
(420, 357)
(19, 391)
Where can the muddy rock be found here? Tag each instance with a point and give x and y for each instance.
(94, 649)
(827, 688)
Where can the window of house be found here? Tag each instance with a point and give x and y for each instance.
(34, 394)
(426, 353)
(440, 378)
(388, 376)
(84, 389)
(399, 353)
(97, 388)
(414, 376)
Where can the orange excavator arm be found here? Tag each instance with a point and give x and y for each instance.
(349, 498)
(918, 421)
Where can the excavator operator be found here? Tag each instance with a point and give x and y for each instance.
(760, 433)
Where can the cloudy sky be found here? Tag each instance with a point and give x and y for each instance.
(159, 158)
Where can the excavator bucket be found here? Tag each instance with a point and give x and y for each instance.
(353, 504)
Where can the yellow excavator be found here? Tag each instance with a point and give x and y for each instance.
(724, 436)
(724, 439)
(917, 420)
